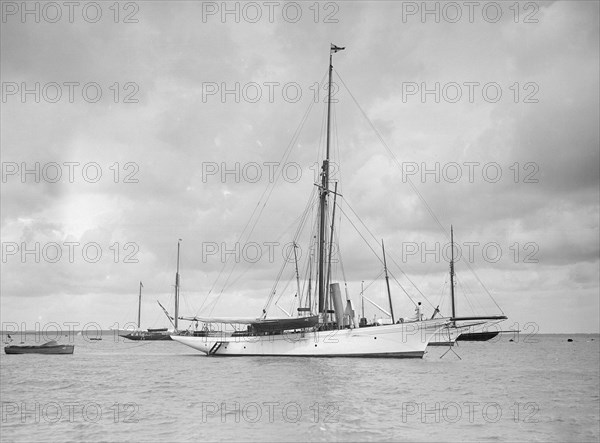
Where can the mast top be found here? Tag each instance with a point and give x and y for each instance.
(335, 48)
(452, 272)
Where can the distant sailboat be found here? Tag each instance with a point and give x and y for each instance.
(157, 333)
(325, 329)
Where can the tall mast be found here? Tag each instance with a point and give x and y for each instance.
(297, 274)
(310, 262)
(323, 199)
(387, 282)
(362, 292)
(452, 271)
(177, 290)
(325, 191)
(140, 305)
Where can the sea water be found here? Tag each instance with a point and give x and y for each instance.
(535, 388)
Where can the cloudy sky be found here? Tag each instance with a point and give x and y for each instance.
(125, 129)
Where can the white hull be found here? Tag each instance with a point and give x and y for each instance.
(405, 340)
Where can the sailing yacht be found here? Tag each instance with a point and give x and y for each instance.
(157, 334)
(325, 326)
(473, 328)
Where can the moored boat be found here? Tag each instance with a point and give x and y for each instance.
(401, 340)
(477, 336)
(156, 334)
(51, 347)
(149, 335)
(463, 326)
(325, 325)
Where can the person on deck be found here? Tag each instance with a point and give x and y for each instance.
(418, 312)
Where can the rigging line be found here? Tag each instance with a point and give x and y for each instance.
(239, 239)
(481, 283)
(408, 278)
(309, 209)
(285, 158)
(463, 259)
(273, 290)
(466, 298)
(269, 191)
(359, 233)
(390, 273)
(389, 254)
(282, 293)
(282, 269)
(303, 217)
(245, 270)
(404, 290)
(412, 185)
(294, 299)
(308, 270)
(306, 267)
(383, 142)
(338, 171)
(271, 186)
(337, 239)
(211, 303)
(286, 152)
(465, 288)
(323, 117)
(476, 300)
(387, 148)
(311, 241)
(378, 258)
(374, 280)
(320, 146)
(442, 291)
(335, 141)
(292, 143)
(299, 294)
(310, 204)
